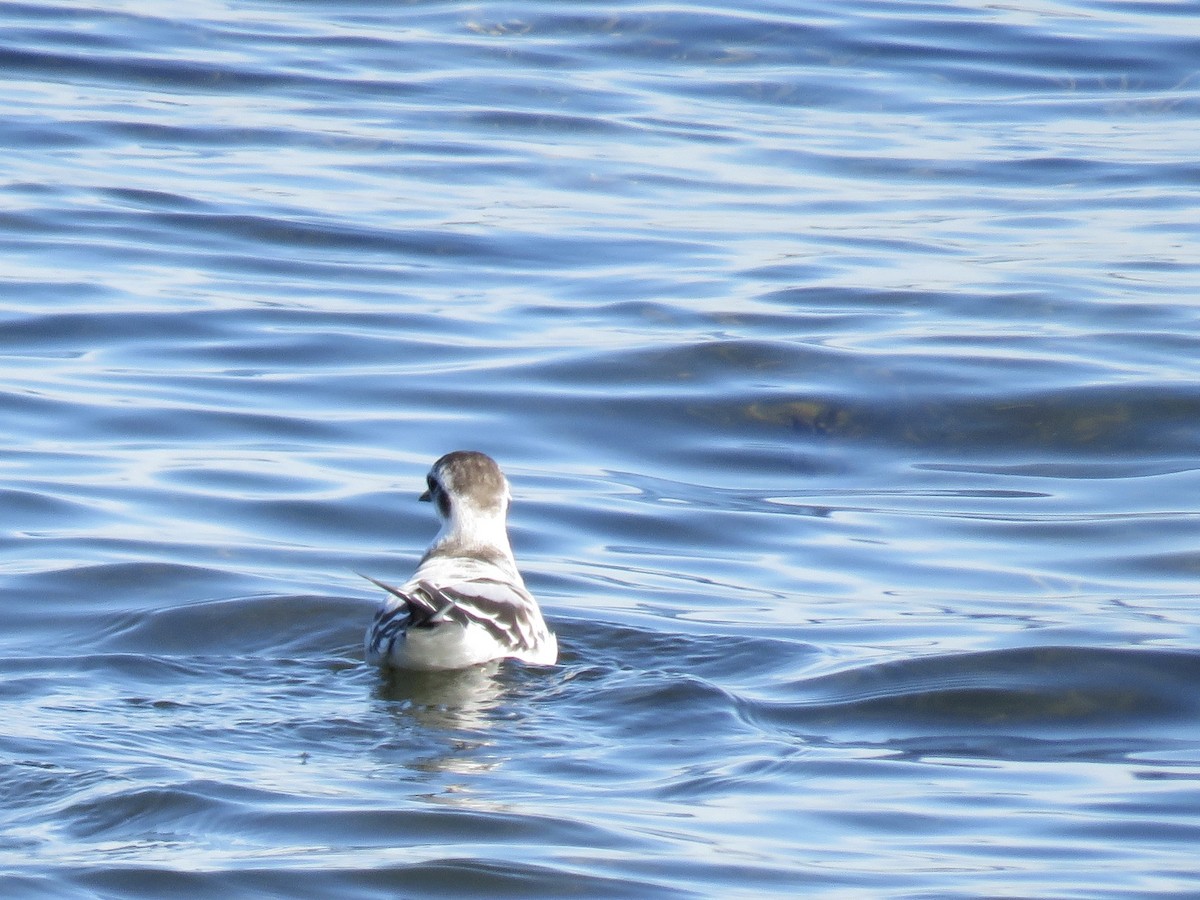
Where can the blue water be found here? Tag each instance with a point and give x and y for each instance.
(845, 362)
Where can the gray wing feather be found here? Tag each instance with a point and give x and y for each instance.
(504, 609)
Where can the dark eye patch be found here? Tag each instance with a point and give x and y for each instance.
(438, 494)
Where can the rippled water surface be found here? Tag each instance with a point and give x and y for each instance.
(844, 360)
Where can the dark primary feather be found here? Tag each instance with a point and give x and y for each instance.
(416, 610)
(418, 604)
(389, 624)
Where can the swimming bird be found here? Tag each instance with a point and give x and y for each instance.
(466, 604)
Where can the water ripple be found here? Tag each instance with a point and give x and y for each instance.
(843, 364)
(1029, 690)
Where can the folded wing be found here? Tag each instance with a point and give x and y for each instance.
(506, 611)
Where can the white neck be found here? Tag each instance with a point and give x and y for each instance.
(470, 531)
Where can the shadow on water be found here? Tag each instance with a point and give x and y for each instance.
(1042, 702)
(292, 625)
(1037, 693)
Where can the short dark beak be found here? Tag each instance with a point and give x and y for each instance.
(427, 496)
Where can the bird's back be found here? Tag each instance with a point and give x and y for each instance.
(457, 612)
